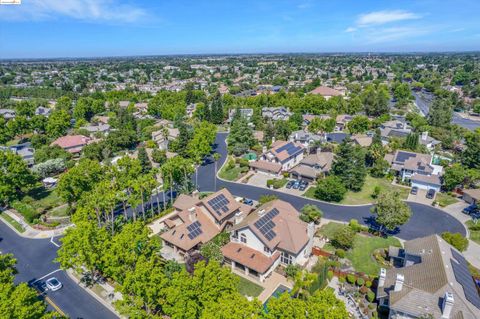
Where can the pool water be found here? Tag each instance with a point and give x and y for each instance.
(280, 290)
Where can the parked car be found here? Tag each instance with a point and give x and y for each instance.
(248, 201)
(296, 185)
(53, 284)
(470, 209)
(303, 182)
(290, 184)
(302, 187)
(431, 193)
(414, 190)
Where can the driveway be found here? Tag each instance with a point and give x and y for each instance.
(421, 197)
(425, 220)
(259, 179)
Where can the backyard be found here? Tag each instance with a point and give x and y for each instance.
(364, 196)
(248, 288)
(361, 254)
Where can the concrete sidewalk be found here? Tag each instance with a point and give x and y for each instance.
(31, 232)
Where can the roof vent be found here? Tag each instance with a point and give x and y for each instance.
(261, 212)
(252, 256)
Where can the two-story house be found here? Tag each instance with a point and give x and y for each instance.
(416, 168)
(164, 136)
(270, 236)
(195, 221)
(313, 166)
(25, 150)
(394, 128)
(430, 279)
(72, 143)
(245, 113)
(286, 153)
(276, 113)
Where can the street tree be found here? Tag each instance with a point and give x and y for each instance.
(390, 210)
(349, 165)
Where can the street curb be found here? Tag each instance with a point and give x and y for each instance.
(12, 228)
(91, 293)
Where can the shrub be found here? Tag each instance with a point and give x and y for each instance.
(360, 282)
(370, 296)
(243, 162)
(368, 284)
(27, 211)
(340, 253)
(244, 169)
(267, 198)
(341, 279)
(376, 192)
(456, 240)
(351, 278)
(330, 275)
(292, 270)
(343, 238)
(330, 189)
(363, 290)
(354, 225)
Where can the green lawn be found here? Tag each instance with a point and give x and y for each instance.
(61, 211)
(42, 199)
(330, 229)
(445, 199)
(364, 195)
(13, 222)
(474, 230)
(248, 288)
(229, 174)
(361, 253)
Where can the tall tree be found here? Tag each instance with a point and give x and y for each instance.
(58, 123)
(349, 165)
(390, 210)
(15, 177)
(471, 155)
(441, 113)
(241, 138)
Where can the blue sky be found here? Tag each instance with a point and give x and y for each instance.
(83, 28)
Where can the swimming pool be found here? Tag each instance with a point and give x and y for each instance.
(278, 291)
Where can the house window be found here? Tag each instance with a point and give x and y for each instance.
(243, 238)
(286, 258)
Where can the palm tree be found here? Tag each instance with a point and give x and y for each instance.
(216, 157)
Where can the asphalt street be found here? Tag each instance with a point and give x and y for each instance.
(425, 220)
(35, 260)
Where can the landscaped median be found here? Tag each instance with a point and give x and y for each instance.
(12, 222)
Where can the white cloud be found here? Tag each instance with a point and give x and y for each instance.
(87, 10)
(395, 33)
(383, 17)
(351, 29)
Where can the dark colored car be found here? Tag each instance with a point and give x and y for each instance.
(290, 184)
(248, 201)
(296, 185)
(470, 209)
(302, 187)
(414, 190)
(430, 193)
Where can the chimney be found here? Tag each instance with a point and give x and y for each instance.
(424, 136)
(399, 282)
(191, 214)
(273, 139)
(261, 212)
(238, 217)
(382, 277)
(447, 305)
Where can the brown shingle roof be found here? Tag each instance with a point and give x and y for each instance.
(473, 193)
(249, 257)
(291, 232)
(325, 91)
(184, 202)
(283, 155)
(266, 166)
(232, 205)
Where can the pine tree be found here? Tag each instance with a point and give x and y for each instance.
(144, 161)
(349, 165)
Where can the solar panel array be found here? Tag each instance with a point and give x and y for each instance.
(265, 224)
(403, 156)
(464, 278)
(290, 148)
(194, 230)
(219, 204)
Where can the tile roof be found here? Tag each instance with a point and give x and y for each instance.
(325, 91)
(281, 150)
(249, 257)
(72, 143)
(473, 193)
(266, 166)
(184, 202)
(291, 232)
(431, 179)
(231, 205)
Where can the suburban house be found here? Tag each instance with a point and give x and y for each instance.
(472, 196)
(305, 138)
(308, 118)
(195, 222)
(313, 166)
(100, 128)
(25, 150)
(270, 236)
(7, 114)
(72, 143)
(428, 141)
(362, 140)
(430, 279)
(326, 92)
(342, 121)
(245, 113)
(164, 136)
(276, 113)
(394, 128)
(286, 153)
(45, 111)
(335, 137)
(416, 168)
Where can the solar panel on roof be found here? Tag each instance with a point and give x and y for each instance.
(464, 278)
(265, 224)
(194, 230)
(219, 204)
(403, 156)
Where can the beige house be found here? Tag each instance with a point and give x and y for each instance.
(431, 278)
